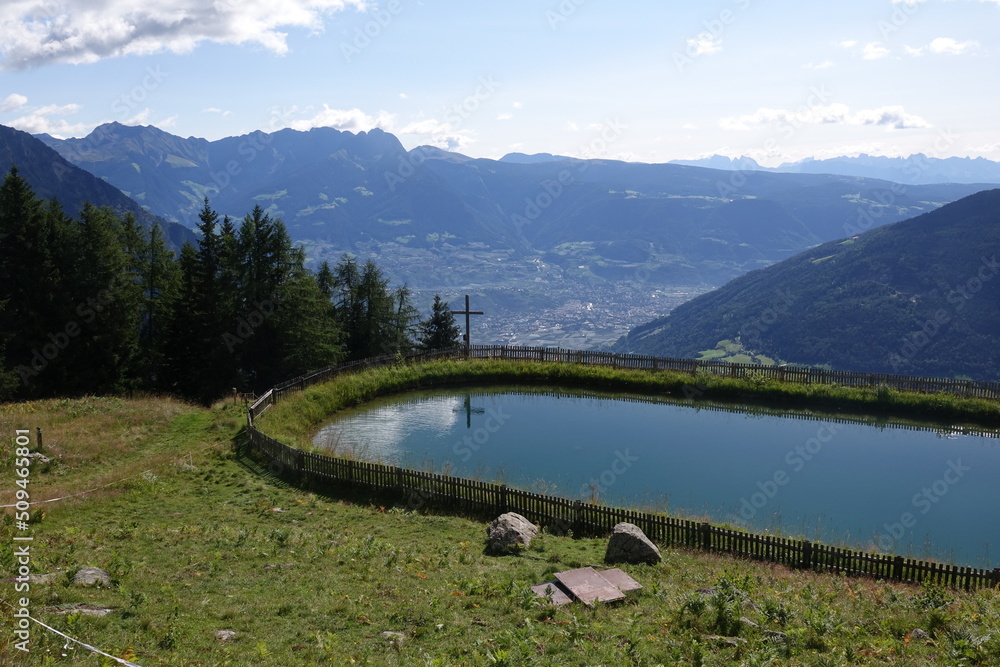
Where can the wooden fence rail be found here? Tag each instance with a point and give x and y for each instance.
(426, 490)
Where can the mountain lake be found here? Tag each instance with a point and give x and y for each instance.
(918, 489)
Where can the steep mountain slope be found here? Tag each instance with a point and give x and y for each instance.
(51, 175)
(921, 296)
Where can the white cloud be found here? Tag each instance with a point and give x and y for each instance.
(35, 33)
(39, 121)
(874, 51)
(12, 102)
(831, 114)
(826, 64)
(140, 118)
(440, 134)
(404, 96)
(505, 116)
(572, 127)
(518, 105)
(351, 120)
(222, 112)
(893, 116)
(848, 43)
(951, 47)
(689, 126)
(704, 44)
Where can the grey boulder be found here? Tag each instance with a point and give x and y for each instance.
(629, 544)
(510, 532)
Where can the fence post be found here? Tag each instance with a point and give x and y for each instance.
(38, 431)
(897, 568)
(300, 467)
(503, 499)
(577, 517)
(995, 578)
(706, 536)
(807, 555)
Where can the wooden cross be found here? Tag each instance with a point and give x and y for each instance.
(467, 312)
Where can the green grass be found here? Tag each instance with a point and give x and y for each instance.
(198, 540)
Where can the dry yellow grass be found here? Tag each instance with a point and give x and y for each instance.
(95, 442)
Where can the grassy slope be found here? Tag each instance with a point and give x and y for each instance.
(195, 545)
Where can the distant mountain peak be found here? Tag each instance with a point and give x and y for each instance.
(524, 158)
(742, 163)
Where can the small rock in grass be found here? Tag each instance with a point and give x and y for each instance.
(394, 636)
(92, 576)
(225, 635)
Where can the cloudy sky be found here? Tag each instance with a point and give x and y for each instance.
(646, 80)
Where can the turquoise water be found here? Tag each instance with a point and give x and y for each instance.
(924, 492)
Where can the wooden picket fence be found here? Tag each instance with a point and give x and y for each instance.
(426, 490)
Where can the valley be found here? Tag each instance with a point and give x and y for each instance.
(528, 300)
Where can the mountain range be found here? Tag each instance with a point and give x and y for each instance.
(53, 177)
(556, 250)
(912, 170)
(917, 297)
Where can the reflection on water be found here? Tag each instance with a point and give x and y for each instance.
(378, 433)
(921, 490)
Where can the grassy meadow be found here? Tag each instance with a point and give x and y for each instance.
(199, 539)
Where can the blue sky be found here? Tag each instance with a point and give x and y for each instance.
(643, 80)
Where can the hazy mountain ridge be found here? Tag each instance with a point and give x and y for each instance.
(913, 170)
(917, 297)
(616, 243)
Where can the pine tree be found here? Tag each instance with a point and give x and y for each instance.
(182, 346)
(39, 323)
(109, 299)
(308, 333)
(439, 331)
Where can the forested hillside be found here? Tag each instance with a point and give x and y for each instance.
(100, 304)
(918, 297)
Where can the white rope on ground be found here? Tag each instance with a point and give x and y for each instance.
(98, 488)
(74, 495)
(77, 641)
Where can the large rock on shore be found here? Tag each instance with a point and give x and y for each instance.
(510, 532)
(629, 544)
